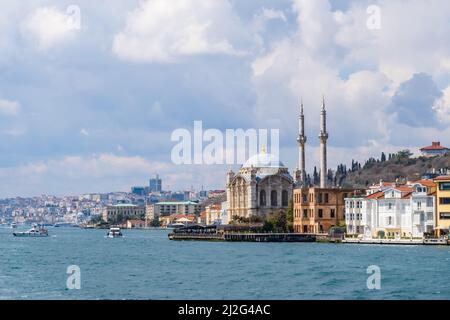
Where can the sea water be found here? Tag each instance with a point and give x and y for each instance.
(145, 264)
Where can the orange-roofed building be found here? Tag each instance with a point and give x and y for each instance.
(436, 149)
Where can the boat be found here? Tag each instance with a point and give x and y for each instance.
(35, 231)
(13, 225)
(175, 225)
(114, 233)
(63, 224)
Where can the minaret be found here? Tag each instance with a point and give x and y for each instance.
(301, 139)
(323, 136)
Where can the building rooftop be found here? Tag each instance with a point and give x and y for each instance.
(124, 205)
(442, 178)
(170, 203)
(436, 145)
(426, 183)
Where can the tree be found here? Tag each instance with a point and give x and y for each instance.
(404, 154)
(290, 217)
(155, 222)
(383, 157)
(316, 178)
(276, 222)
(97, 219)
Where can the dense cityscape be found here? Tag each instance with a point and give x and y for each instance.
(83, 209)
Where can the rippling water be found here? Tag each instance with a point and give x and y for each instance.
(146, 265)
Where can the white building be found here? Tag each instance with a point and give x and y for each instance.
(168, 208)
(398, 211)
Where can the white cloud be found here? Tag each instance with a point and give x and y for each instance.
(271, 14)
(162, 31)
(9, 108)
(412, 38)
(48, 26)
(84, 132)
(359, 70)
(442, 107)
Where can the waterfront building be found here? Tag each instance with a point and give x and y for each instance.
(442, 205)
(124, 210)
(172, 207)
(262, 186)
(213, 214)
(184, 219)
(399, 211)
(317, 210)
(155, 184)
(136, 224)
(434, 150)
(202, 218)
(150, 212)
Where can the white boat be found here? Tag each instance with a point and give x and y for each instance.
(114, 233)
(35, 232)
(13, 225)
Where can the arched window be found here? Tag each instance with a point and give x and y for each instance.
(273, 198)
(262, 198)
(284, 198)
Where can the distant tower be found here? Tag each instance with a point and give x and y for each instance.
(323, 136)
(301, 139)
(155, 184)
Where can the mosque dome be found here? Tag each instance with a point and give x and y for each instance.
(263, 160)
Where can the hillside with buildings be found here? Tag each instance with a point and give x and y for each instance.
(400, 166)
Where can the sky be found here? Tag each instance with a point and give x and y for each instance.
(91, 91)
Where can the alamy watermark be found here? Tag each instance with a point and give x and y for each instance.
(374, 280)
(374, 17)
(73, 281)
(234, 146)
(73, 21)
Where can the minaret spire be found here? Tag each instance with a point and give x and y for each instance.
(323, 136)
(301, 139)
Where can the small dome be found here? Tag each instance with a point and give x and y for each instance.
(263, 160)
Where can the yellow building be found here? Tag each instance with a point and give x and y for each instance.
(442, 205)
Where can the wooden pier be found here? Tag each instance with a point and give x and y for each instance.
(269, 237)
(245, 237)
(211, 233)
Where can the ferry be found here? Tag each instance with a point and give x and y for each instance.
(35, 231)
(114, 233)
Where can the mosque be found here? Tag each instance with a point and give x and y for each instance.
(263, 184)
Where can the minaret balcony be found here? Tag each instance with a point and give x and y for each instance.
(301, 140)
(323, 136)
